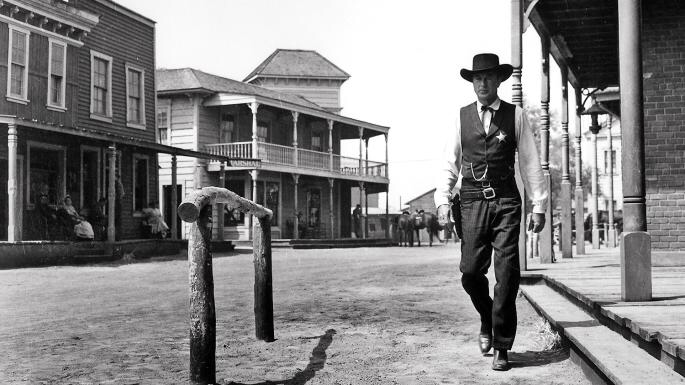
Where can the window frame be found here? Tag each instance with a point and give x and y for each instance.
(166, 108)
(108, 113)
(63, 90)
(135, 158)
(129, 123)
(23, 98)
(45, 146)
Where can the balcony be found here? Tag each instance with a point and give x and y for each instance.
(283, 158)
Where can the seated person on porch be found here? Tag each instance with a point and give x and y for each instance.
(153, 217)
(71, 217)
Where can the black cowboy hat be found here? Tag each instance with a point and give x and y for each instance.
(487, 62)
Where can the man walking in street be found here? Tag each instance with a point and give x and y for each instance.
(481, 152)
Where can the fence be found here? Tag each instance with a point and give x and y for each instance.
(197, 209)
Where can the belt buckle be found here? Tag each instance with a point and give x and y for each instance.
(489, 193)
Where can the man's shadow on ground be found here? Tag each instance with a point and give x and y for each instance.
(532, 358)
(316, 362)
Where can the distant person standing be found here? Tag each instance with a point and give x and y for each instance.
(357, 219)
(482, 150)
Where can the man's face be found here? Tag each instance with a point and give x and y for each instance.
(485, 86)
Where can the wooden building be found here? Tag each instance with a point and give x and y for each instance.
(303, 177)
(78, 115)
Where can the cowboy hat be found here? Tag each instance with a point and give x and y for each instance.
(487, 62)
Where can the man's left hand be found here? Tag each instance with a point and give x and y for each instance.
(538, 222)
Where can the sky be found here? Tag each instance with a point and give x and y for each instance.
(403, 56)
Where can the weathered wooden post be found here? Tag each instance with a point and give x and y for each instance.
(263, 291)
(197, 209)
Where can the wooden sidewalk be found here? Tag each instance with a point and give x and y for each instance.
(593, 281)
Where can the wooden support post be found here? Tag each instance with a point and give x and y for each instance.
(636, 249)
(610, 237)
(566, 187)
(361, 139)
(579, 195)
(263, 292)
(366, 163)
(366, 213)
(331, 183)
(111, 193)
(595, 185)
(220, 206)
(174, 198)
(296, 230)
(517, 99)
(296, 115)
(12, 138)
(254, 174)
(387, 169)
(202, 311)
(546, 237)
(330, 145)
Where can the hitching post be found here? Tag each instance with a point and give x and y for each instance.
(197, 209)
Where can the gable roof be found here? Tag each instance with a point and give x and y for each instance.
(297, 63)
(429, 192)
(190, 79)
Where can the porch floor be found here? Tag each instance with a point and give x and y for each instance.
(593, 281)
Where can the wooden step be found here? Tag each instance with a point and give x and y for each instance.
(621, 361)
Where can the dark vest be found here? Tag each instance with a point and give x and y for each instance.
(486, 156)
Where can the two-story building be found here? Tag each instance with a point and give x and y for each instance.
(77, 112)
(285, 113)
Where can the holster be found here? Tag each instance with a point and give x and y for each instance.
(456, 215)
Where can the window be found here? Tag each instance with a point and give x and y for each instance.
(226, 128)
(313, 207)
(57, 72)
(135, 97)
(140, 182)
(317, 141)
(18, 64)
(262, 131)
(163, 125)
(101, 86)
(234, 217)
(613, 162)
(47, 172)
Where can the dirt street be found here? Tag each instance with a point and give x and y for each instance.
(346, 316)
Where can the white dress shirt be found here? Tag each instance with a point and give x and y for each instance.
(528, 158)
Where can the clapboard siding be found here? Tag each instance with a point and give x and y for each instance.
(38, 82)
(208, 126)
(127, 41)
(182, 123)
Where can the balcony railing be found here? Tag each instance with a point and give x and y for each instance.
(270, 153)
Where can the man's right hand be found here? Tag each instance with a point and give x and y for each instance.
(443, 214)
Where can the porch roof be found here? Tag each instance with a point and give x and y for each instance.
(109, 137)
(583, 35)
(220, 91)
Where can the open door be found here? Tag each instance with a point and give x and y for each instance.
(167, 207)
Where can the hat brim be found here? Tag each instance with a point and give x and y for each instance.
(503, 70)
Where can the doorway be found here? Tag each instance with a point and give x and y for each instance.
(167, 207)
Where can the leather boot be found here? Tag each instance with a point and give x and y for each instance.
(484, 342)
(500, 361)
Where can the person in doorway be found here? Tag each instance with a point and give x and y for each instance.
(82, 229)
(481, 151)
(357, 220)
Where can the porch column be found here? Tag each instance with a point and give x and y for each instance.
(296, 115)
(111, 192)
(330, 144)
(579, 195)
(220, 206)
(636, 249)
(594, 129)
(366, 164)
(254, 106)
(387, 173)
(545, 250)
(517, 99)
(611, 237)
(366, 213)
(361, 200)
(331, 182)
(296, 229)
(361, 139)
(12, 225)
(174, 198)
(566, 188)
(253, 174)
